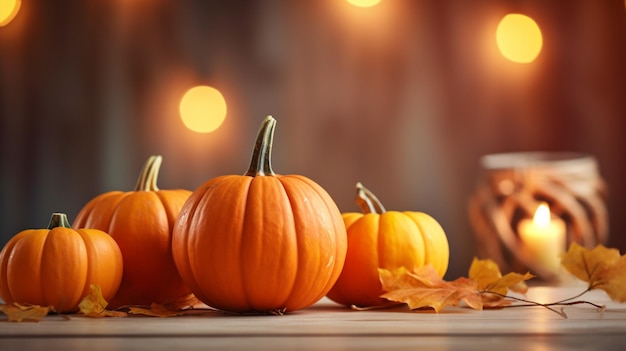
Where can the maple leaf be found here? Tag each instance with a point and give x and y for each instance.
(184, 302)
(603, 268)
(185, 305)
(156, 310)
(21, 312)
(485, 287)
(493, 285)
(94, 305)
(424, 288)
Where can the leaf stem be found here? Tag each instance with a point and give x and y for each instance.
(549, 306)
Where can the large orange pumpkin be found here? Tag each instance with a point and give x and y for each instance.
(56, 266)
(385, 239)
(260, 242)
(141, 222)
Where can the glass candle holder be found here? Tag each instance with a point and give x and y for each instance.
(509, 192)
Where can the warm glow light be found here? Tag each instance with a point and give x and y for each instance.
(364, 3)
(519, 38)
(542, 215)
(544, 239)
(8, 11)
(203, 109)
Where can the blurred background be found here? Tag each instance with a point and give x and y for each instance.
(405, 96)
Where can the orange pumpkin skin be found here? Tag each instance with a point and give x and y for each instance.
(260, 242)
(389, 240)
(55, 267)
(141, 222)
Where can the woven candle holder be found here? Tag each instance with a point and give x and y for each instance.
(514, 184)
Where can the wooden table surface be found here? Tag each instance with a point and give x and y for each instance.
(327, 326)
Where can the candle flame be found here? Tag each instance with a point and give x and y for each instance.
(542, 215)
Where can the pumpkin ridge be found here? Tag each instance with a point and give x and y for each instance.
(331, 278)
(93, 255)
(211, 194)
(340, 246)
(5, 254)
(423, 233)
(295, 252)
(330, 207)
(165, 197)
(379, 246)
(297, 242)
(56, 238)
(242, 267)
(85, 219)
(41, 266)
(246, 218)
(29, 240)
(183, 263)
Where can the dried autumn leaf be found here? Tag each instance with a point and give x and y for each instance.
(485, 287)
(484, 272)
(19, 312)
(489, 278)
(94, 305)
(603, 268)
(156, 310)
(424, 288)
(614, 281)
(184, 302)
(189, 304)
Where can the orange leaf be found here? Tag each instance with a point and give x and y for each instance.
(156, 310)
(19, 313)
(185, 305)
(487, 274)
(94, 305)
(184, 302)
(493, 285)
(614, 281)
(603, 268)
(485, 287)
(484, 272)
(424, 288)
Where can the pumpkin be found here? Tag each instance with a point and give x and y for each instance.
(260, 242)
(385, 239)
(56, 266)
(141, 222)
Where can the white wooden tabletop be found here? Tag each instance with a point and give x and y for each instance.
(327, 326)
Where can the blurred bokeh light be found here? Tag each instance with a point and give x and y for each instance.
(8, 11)
(203, 109)
(364, 3)
(519, 38)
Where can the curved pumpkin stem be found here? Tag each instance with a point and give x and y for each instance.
(59, 220)
(148, 178)
(261, 162)
(367, 201)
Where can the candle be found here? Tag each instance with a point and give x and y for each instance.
(544, 238)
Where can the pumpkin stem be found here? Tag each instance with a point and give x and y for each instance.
(148, 178)
(367, 201)
(59, 220)
(261, 162)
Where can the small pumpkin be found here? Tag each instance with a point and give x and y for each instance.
(385, 239)
(141, 222)
(260, 242)
(56, 266)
